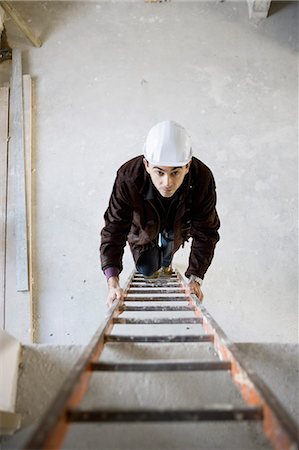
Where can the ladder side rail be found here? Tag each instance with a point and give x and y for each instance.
(278, 426)
(54, 423)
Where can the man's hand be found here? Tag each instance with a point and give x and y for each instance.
(193, 287)
(115, 292)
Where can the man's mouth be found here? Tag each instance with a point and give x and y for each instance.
(166, 191)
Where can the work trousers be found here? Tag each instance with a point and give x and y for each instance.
(159, 255)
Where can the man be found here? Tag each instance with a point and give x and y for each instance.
(159, 201)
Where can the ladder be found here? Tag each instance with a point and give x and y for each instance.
(144, 296)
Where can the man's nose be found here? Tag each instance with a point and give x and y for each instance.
(167, 180)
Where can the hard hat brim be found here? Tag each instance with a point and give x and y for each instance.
(169, 163)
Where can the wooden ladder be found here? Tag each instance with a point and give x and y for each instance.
(163, 295)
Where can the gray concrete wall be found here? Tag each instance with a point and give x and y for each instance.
(104, 75)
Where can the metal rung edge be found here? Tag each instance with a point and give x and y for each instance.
(155, 283)
(156, 299)
(156, 290)
(157, 321)
(219, 413)
(169, 278)
(161, 366)
(167, 338)
(156, 308)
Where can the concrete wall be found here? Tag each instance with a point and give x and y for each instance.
(105, 74)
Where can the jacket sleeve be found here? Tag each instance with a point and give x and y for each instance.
(204, 230)
(118, 220)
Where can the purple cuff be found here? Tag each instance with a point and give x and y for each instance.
(111, 272)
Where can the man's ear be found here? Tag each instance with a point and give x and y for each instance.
(188, 166)
(146, 164)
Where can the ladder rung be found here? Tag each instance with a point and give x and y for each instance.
(156, 299)
(156, 290)
(139, 277)
(156, 308)
(219, 413)
(167, 338)
(157, 321)
(137, 274)
(158, 281)
(140, 284)
(161, 366)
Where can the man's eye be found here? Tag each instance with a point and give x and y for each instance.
(175, 173)
(160, 174)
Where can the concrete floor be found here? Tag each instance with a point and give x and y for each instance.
(45, 368)
(105, 73)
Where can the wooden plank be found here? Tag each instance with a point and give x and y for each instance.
(4, 102)
(157, 321)
(218, 413)
(27, 107)
(10, 357)
(17, 146)
(161, 366)
(156, 308)
(2, 16)
(19, 302)
(164, 339)
(16, 16)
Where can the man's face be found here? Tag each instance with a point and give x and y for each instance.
(166, 179)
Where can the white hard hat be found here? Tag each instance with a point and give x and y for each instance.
(168, 144)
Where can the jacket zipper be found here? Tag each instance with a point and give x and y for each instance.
(158, 217)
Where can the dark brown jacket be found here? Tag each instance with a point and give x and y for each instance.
(131, 216)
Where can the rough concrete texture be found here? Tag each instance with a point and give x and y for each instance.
(45, 368)
(105, 74)
(169, 436)
(278, 366)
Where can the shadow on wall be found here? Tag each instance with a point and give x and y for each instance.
(44, 18)
(275, 7)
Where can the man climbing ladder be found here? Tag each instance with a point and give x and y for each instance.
(159, 201)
